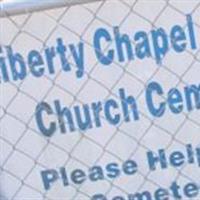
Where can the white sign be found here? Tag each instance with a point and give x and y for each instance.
(100, 101)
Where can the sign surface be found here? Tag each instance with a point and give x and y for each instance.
(101, 101)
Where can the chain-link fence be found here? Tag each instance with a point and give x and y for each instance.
(25, 152)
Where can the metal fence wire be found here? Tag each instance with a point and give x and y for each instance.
(25, 151)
